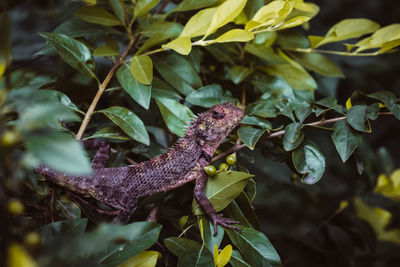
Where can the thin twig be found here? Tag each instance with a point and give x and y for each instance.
(340, 53)
(102, 87)
(238, 147)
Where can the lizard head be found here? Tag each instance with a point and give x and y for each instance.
(214, 125)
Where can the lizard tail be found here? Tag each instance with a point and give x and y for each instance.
(76, 184)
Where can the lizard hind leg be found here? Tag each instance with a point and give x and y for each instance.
(102, 156)
(125, 214)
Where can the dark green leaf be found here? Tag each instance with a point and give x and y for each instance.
(49, 231)
(176, 116)
(97, 15)
(234, 212)
(239, 73)
(58, 151)
(292, 132)
(76, 27)
(180, 246)
(295, 76)
(131, 124)
(357, 117)
(389, 100)
(196, 258)
(74, 52)
(249, 120)
(309, 161)
(250, 136)
(159, 32)
(222, 188)
(255, 247)
(345, 139)
(162, 89)
(237, 260)
(331, 102)
(139, 92)
(177, 71)
(208, 96)
(262, 108)
(118, 6)
(288, 146)
(187, 5)
(143, 6)
(111, 132)
(208, 230)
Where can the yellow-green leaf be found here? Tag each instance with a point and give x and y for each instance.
(296, 77)
(97, 15)
(224, 256)
(181, 45)
(142, 69)
(183, 221)
(349, 28)
(387, 34)
(105, 51)
(198, 23)
(201, 230)
(143, 6)
(294, 22)
(235, 35)
(143, 259)
(18, 257)
(269, 11)
(315, 40)
(225, 13)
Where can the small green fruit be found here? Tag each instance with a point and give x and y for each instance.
(223, 167)
(231, 159)
(210, 170)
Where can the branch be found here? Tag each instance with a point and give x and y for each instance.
(340, 53)
(238, 147)
(102, 87)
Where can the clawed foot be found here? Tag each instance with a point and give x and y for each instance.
(225, 222)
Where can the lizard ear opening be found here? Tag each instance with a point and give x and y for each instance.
(218, 115)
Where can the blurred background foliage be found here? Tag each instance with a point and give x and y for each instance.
(350, 217)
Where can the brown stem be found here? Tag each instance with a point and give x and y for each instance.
(102, 87)
(238, 147)
(153, 215)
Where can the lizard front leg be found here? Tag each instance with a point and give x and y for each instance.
(207, 207)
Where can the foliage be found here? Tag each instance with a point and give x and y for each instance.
(154, 65)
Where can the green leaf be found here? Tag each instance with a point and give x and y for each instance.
(292, 131)
(97, 15)
(250, 120)
(181, 45)
(239, 73)
(309, 161)
(331, 102)
(345, 139)
(225, 13)
(190, 252)
(358, 117)
(175, 115)
(143, 6)
(208, 231)
(235, 35)
(288, 146)
(198, 24)
(110, 132)
(187, 5)
(139, 92)
(49, 232)
(76, 27)
(140, 236)
(131, 124)
(222, 188)
(74, 52)
(118, 7)
(158, 33)
(177, 71)
(389, 100)
(237, 260)
(255, 247)
(162, 89)
(5, 44)
(319, 63)
(142, 69)
(347, 29)
(250, 136)
(58, 151)
(110, 49)
(262, 108)
(208, 96)
(296, 77)
(294, 22)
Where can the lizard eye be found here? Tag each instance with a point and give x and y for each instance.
(218, 115)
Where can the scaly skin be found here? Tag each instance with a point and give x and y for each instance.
(120, 187)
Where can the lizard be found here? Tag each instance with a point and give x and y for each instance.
(120, 187)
